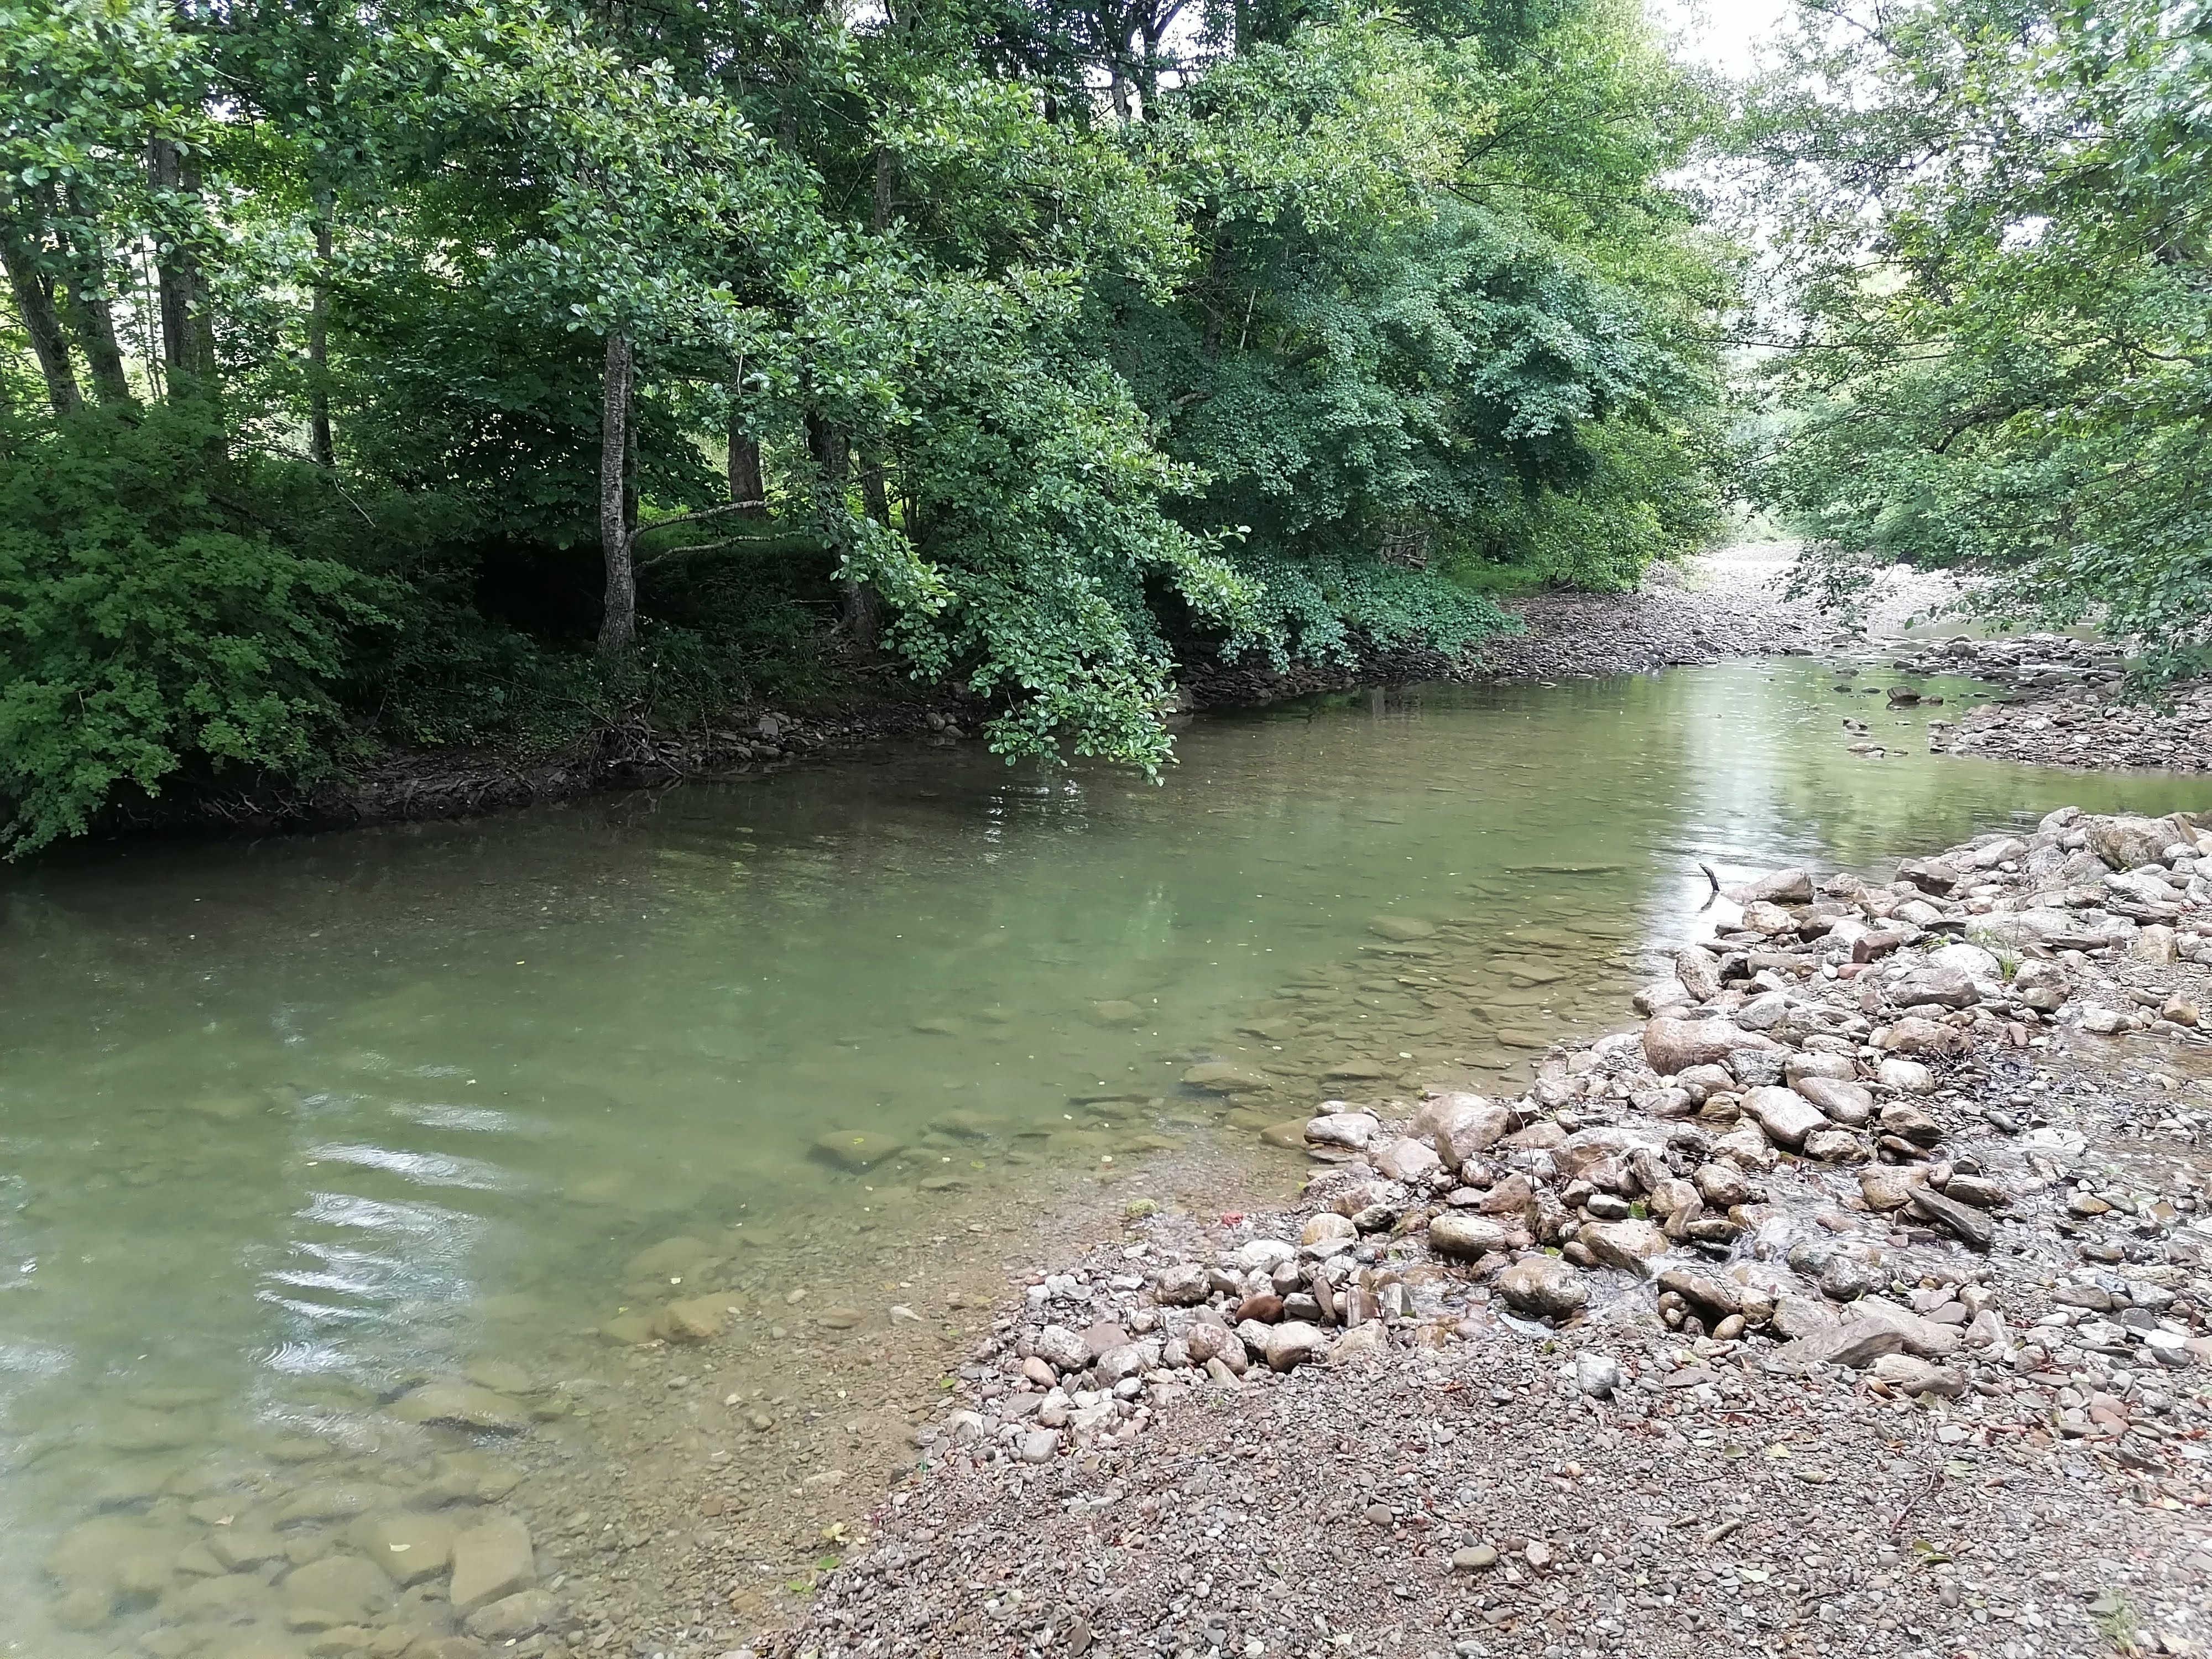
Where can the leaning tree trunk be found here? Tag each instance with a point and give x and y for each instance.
(35, 302)
(618, 617)
(92, 320)
(86, 306)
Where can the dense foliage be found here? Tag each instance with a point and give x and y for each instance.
(1997, 214)
(421, 373)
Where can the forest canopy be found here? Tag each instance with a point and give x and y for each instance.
(403, 375)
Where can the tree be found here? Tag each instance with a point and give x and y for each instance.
(554, 364)
(1997, 241)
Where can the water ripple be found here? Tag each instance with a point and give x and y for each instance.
(426, 1169)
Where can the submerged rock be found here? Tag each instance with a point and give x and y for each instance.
(491, 1559)
(464, 1405)
(858, 1149)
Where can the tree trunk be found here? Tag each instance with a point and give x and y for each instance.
(618, 617)
(880, 217)
(87, 309)
(92, 322)
(832, 450)
(875, 498)
(35, 302)
(319, 445)
(747, 483)
(187, 337)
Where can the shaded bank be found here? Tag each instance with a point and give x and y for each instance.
(1709, 611)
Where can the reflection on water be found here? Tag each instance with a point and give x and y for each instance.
(287, 1128)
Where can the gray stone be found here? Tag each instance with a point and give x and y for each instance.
(1061, 1348)
(1265, 1254)
(1791, 886)
(1675, 1045)
(1407, 1159)
(1832, 1144)
(1360, 1344)
(1907, 1076)
(1700, 970)
(1104, 1337)
(1797, 1316)
(512, 1617)
(1819, 1064)
(1977, 1190)
(1973, 1227)
(1325, 1227)
(1596, 1375)
(332, 1500)
(1921, 1336)
(1850, 1342)
(1846, 1278)
(1946, 987)
(2041, 985)
(2127, 842)
(408, 1548)
(1844, 1102)
(1723, 1184)
(857, 1149)
(1786, 1116)
(1718, 1298)
(1543, 1285)
(1929, 875)
(464, 1405)
(345, 1588)
(1913, 1034)
(1185, 1284)
(1467, 1131)
(1464, 1237)
(1911, 1375)
(1292, 1343)
(1126, 1361)
(1039, 1444)
(1902, 1117)
(1349, 1130)
(1887, 1186)
(1635, 1245)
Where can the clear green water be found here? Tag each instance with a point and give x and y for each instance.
(286, 1127)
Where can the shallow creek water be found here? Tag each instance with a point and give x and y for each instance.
(289, 1128)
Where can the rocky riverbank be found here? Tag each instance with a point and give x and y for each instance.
(1729, 603)
(1855, 1303)
(2063, 703)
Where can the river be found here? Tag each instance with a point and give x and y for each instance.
(289, 1128)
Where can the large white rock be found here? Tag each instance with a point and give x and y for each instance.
(1786, 1116)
